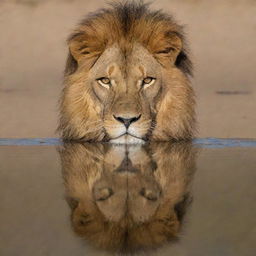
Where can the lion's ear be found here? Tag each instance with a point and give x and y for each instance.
(77, 47)
(85, 49)
(76, 44)
(169, 47)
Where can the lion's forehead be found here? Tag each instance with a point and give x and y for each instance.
(132, 65)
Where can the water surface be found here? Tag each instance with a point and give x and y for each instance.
(98, 199)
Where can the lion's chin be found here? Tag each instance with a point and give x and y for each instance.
(127, 139)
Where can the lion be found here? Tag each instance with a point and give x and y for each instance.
(127, 78)
(128, 198)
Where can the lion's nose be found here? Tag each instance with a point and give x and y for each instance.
(127, 121)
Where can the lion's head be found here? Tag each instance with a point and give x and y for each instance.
(127, 78)
(127, 198)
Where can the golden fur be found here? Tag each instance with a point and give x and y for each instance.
(127, 198)
(127, 42)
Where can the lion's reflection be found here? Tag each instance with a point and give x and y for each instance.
(127, 198)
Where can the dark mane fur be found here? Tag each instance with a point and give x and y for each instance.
(124, 23)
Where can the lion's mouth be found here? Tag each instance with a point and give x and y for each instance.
(127, 138)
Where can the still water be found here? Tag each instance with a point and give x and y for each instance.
(101, 199)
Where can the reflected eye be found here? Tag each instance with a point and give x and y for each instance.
(104, 81)
(146, 82)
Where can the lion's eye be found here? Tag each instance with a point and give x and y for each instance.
(104, 81)
(146, 82)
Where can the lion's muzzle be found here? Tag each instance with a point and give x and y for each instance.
(127, 121)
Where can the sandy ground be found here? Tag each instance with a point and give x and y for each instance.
(222, 35)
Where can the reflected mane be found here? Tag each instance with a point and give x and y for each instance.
(172, 168)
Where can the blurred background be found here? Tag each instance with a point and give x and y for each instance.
(222, 36)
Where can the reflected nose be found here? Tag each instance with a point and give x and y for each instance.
(127, 121)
